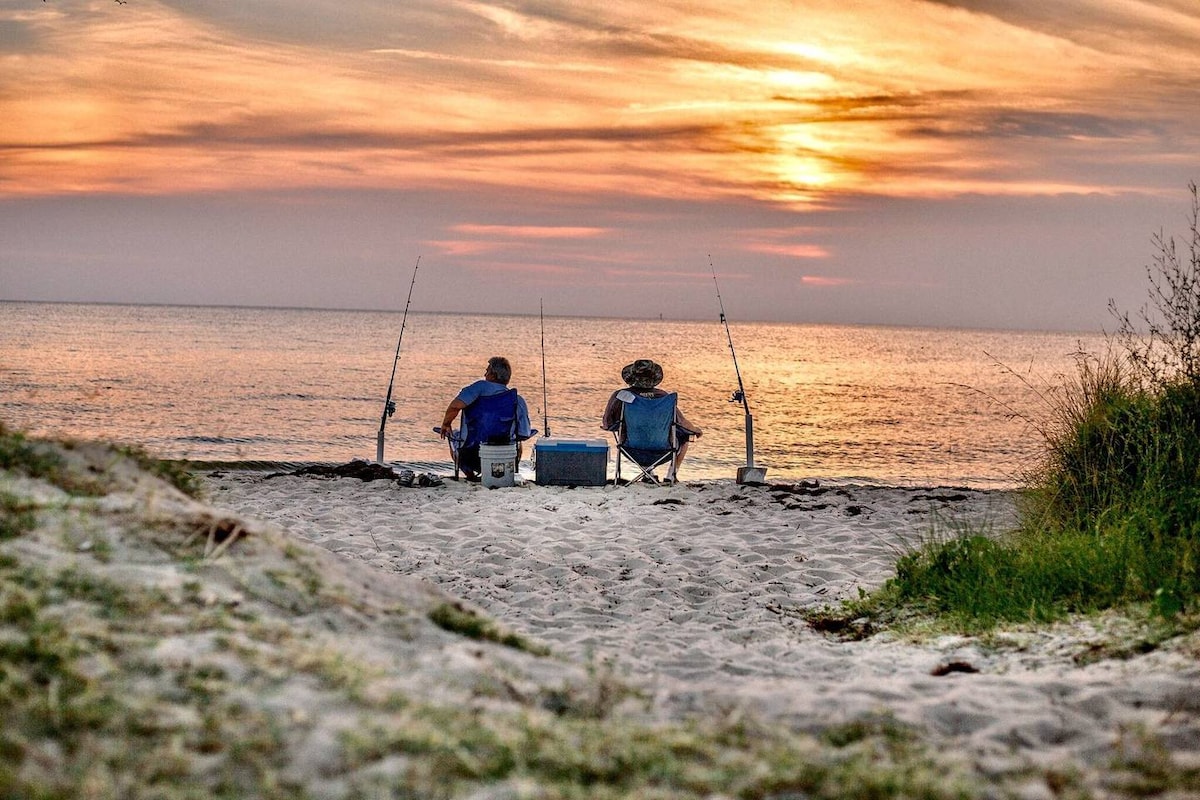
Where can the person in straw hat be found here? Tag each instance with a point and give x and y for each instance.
(642, 377)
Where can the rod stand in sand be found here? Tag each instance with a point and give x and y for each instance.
(748, 473)
(388, 410)
(751, 473)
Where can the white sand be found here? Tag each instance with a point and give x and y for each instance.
(693, 591)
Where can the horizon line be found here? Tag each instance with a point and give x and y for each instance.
(717, 320)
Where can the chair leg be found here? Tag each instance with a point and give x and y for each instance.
(645, 472)
(642, 472)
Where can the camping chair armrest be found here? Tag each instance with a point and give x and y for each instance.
(455, 434)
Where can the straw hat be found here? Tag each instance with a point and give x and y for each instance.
(642, 374)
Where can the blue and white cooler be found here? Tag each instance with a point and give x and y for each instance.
(571, 462)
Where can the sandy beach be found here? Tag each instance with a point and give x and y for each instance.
(326, 637)
(692, 593)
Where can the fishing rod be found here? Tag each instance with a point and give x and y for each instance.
(389, 407)
(740, 395)
(748, 473)
(545, 402)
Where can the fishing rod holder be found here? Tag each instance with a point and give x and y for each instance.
(749, 473)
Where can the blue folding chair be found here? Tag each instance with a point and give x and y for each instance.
(490, 420)
(647, 437)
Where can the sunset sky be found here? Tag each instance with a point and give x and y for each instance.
(977, 163)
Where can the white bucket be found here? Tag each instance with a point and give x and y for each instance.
(497, 465)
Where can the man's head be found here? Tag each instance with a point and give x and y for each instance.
(499, 370)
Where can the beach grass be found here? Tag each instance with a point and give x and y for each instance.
(177, 473)
(16, 516)
(19, 454)
(1111, 516)
(22, 455)
(457, 618)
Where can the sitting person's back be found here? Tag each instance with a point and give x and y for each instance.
(464, 444)
(642, 378)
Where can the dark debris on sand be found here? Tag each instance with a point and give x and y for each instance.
(367, 471)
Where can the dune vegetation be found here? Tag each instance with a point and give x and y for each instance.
(1110, 518)
(153, 646)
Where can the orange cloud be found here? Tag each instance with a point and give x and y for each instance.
(792, 250)
(531, 231)
(763, 102)
(457, 247)
(824, 281)
(541, 269)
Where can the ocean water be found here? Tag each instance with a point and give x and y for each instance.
(903, 406)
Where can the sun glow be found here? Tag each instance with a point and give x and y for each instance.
(807, 50)
(795, 81)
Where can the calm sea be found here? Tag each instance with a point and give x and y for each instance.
(906, 406)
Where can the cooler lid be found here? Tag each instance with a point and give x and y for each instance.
(572, 445)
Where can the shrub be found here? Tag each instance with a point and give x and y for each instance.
(1112, 513)
(1122, 461)
(1127, 441)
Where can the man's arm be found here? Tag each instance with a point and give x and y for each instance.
(448, 418)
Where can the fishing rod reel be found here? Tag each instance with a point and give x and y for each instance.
(390, 407)
(738, 396)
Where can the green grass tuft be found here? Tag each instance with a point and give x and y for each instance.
(175, 473)
(456, 618)
(39, 460)
(16, 516)
(1112, 520)
(18, 454)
